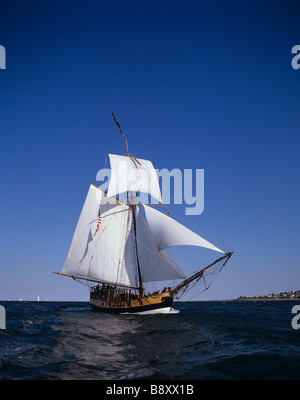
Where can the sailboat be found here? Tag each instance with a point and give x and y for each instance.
(118, 246)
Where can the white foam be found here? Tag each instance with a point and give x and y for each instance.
(165, 310)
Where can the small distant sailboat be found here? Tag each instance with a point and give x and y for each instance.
(119, 250)
(38, 298)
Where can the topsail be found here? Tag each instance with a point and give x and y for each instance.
(133, 174)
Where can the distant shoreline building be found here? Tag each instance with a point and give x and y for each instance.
(291, 295)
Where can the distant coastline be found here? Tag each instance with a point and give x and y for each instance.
(292, 295)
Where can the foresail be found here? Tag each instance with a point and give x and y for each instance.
(103, 244)
(129, 174)
(155, 264)
(168, 233)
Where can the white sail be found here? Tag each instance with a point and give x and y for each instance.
(155, 264)
(103, 244)
(82, 232)
(168, 233)
(129, 175)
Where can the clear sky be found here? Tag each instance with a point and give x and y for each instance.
(195, 84)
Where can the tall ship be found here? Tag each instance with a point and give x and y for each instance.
(119, 247)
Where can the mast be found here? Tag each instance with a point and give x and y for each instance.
(136, 248)
(123, 134)
(132, 206)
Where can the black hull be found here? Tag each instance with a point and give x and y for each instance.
(167, 302)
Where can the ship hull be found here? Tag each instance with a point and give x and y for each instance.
(161, 303)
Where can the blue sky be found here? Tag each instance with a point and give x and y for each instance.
(194, 84)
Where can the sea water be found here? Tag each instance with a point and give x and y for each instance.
(202, 340)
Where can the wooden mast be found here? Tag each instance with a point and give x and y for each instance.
(137, 255)
(125, 137)
(132, 206)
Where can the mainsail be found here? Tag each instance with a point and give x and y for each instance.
(109, 255)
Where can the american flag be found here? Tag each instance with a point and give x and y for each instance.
(98, 225)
